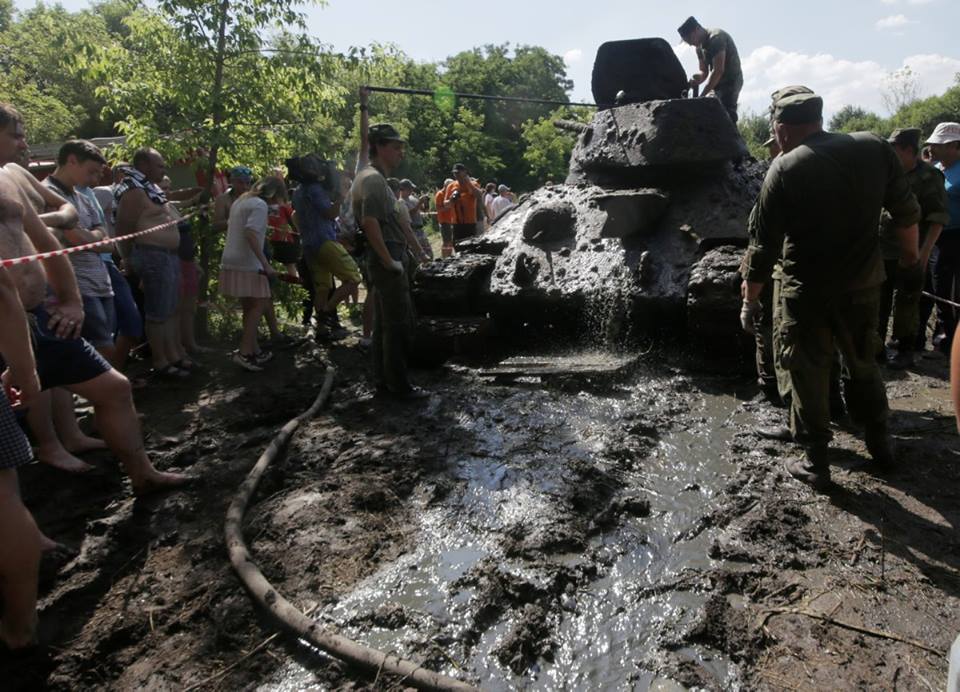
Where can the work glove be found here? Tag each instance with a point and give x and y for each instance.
(748, 313)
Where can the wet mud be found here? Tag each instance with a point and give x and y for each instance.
(574, 532)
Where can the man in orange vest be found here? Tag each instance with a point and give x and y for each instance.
(445, 219)
(461, 197)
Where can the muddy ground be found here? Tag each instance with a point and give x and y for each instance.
(568, 534)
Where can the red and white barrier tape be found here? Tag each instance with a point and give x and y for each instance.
(13, 261)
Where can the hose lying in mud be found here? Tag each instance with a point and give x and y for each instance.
(288, 616)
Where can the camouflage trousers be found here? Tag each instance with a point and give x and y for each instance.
(901, 295)
(809, 334)
(393, 326)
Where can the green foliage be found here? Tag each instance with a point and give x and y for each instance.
(927, 113)
(856, 119)
(6, 14)
(755, 130)
(158, 82)
(547, 149)
(39, 51)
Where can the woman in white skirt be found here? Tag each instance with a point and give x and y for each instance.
(245, 271)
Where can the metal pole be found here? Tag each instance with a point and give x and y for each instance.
(481, 97)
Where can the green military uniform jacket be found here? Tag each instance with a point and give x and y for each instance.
(719, 41)
(929, 187)
(372, 196)
(819, 210)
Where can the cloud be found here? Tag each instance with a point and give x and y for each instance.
(894, 21)
(909, 2)
(572, 56)
(839, 81)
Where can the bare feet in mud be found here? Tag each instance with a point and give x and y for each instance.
(161, 481)
(62, 459)
(62, 456)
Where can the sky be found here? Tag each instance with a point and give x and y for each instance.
(843, 49)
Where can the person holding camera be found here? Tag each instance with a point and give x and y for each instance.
(375, 209)
(317, 204)
(462, 196)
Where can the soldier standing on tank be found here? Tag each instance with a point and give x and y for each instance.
(818, 211)
(904, 286)
(719, 64)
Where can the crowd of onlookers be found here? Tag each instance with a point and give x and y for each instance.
(74, 321)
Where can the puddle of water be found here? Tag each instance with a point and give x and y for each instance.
(523, 442)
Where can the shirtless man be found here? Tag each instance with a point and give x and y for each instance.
(63, 359)
(141, 204)
(51, 418)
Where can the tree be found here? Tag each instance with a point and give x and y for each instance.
(755, 130)
(547, 149)
(6, 14)
(900, 89)
(199, 76)
(525, 71)
(856, 119)
(929, 112)
(39, 53)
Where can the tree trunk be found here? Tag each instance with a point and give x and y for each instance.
(207, 239)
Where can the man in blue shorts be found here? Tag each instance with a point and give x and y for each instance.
(63, 358)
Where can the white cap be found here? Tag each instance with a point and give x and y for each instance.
(944, 133)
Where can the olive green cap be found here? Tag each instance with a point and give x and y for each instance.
(688, 26)
(786, 91)
(907, 136)
(384, 133)
(798, 109)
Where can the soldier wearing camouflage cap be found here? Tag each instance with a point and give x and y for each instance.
(719, 63)
(903, 287)
(818, 211)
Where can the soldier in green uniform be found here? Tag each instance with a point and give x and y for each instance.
(719, 63)
(760, 317)
(375, 208)
(818, 211)
(904, 286)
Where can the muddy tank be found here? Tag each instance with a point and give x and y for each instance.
(644, 237)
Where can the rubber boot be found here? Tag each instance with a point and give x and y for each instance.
(812, 468)
(774, 432)
(880, 446)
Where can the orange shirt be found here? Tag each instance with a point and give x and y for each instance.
(465, 208)
(443, 215)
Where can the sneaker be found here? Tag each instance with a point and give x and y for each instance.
(263, 357)
(247, 362)
(335, 330)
